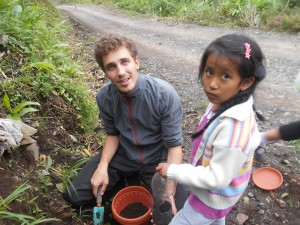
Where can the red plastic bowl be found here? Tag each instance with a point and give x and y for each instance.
(267, 178)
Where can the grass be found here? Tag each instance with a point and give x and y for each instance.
(6, 215)
(66, 173)
(295, 144)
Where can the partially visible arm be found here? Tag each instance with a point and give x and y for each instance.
(100, 176)
(172, 114)
(223, 167)
(291, 131)
(175, 155)
(287, 132)
(270, 135)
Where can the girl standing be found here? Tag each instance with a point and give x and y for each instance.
(227, 136)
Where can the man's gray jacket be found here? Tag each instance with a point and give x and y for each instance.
(147, 120)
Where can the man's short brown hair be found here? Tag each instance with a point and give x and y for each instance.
(111, 42)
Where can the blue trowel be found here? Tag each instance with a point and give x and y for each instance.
(98, 212)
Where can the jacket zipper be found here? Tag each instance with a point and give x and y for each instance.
(134, 128)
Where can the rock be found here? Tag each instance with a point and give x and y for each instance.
(45, 172)
(73, 139)
(241, 218)
(251, 195)
(35, 150)
(246, 200)
(268, 200)
(281, 203)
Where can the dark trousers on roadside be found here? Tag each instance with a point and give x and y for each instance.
(122, 172)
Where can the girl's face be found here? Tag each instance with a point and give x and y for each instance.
(121, 69)
(221, 80)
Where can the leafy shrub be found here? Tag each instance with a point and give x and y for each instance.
(36, 61)
(253, 13)
(163, 8)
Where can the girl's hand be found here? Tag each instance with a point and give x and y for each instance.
(162, 169)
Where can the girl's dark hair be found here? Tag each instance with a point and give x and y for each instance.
(234, 47)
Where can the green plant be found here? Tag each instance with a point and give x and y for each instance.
(14, 195)
(34, 207)
(295, 144)
(5, 214)
(42, 175)
(163, 8)
(98, 136)
(20, 110)
(44, 180)
(66, 173)
(9, 163)
(36, 61)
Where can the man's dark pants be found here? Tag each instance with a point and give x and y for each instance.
(122, 172)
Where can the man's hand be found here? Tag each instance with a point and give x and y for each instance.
(174, 209)
(100, 178)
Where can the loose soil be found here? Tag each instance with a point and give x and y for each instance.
(171, 51)
(162, 213)
(165, 207)
(134, 210)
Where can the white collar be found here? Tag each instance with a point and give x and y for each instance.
(240, 111)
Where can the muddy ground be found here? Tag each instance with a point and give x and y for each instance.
(171, 51)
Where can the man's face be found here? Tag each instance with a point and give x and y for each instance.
(121, 69)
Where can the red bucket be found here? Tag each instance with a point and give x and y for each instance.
(127, 196)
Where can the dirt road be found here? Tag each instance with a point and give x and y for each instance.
(172, 52)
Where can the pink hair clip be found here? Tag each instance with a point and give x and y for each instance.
(247, 50)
